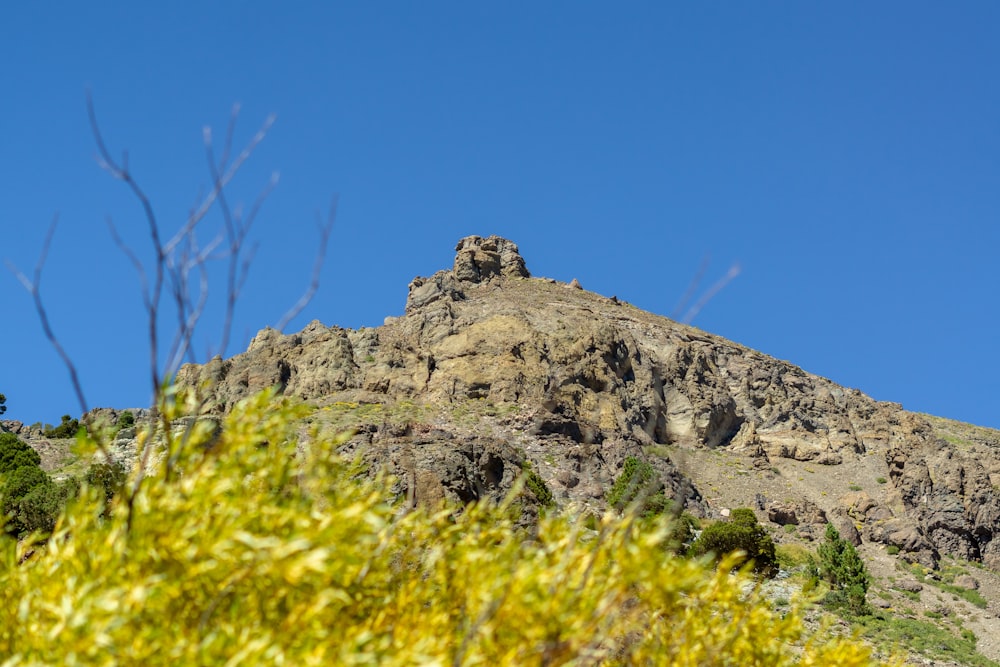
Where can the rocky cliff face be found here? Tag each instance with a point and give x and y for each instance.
(573, 382)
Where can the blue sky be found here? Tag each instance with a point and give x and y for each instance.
(847, 157)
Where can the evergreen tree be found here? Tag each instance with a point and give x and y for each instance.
(639, 482)
(15, 453)
(842, 567)
(29, 499)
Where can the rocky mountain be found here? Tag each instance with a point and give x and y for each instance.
(573, 382)
(491, 372)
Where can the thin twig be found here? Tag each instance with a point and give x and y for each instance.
(734, 271)
(33, 285)
(692, 288)
(152, 297)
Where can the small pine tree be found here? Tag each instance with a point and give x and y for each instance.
(29, 499)
(537, 485)
(842, 567)
(639, 482)
(15, 453)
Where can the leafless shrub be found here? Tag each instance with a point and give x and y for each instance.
(177, 275)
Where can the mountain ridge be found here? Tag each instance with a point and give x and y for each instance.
(596, 379)
(490, 373)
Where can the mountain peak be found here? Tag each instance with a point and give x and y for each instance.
(572, 383)
(477, 260)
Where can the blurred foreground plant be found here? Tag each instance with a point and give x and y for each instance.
(259, 549)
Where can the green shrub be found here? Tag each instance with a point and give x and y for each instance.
(639, 484)
(681, 532)
(741, 533)
(25, 496)
(15, 453)
(892, 550)
(536, 485)
(285, 554)
(29, 499)
(108, 477)
(38, 509)
(126, 420)
(842, 567)
(67, 428)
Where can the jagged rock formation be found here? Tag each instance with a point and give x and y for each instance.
(594, 380)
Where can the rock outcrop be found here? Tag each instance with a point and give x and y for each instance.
(582, 381)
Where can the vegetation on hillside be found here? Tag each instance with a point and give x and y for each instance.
(741, 534)
(260, 551)
(842, 567)
(638, 483)
(29, 499)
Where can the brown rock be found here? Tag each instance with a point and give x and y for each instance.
(587, 373)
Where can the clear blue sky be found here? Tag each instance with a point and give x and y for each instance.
(847, 155)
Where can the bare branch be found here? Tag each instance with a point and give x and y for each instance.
(33, 285)
(136, 263)
(325, 228)
(152, 297)
(734, 271)
(692, 289)
(180, 274)
(237, 229)
(221, 182)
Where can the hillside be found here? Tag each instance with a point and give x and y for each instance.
(575, 381)
(490, 371)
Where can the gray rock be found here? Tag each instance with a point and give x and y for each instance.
(587, 373)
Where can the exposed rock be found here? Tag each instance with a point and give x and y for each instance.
(783, 515)
(478, 259)
(845, 526)
(595, 380)
(794, 514)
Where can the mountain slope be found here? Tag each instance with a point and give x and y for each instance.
(574, 382)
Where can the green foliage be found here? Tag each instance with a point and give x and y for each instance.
(3, 406)
(108, 477)
(67, 428)
(38, 509)
(793, 555)
(681, 532)
(945, 581)
(842, 567)
(285, 554)
(15, 453)
(888, 632)
(638, 484)
(534, 482)
(29, 499)
(126, 420)
(741, 533)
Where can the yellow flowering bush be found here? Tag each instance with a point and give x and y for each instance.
(251, 548)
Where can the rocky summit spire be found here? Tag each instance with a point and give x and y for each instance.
(477, 260)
